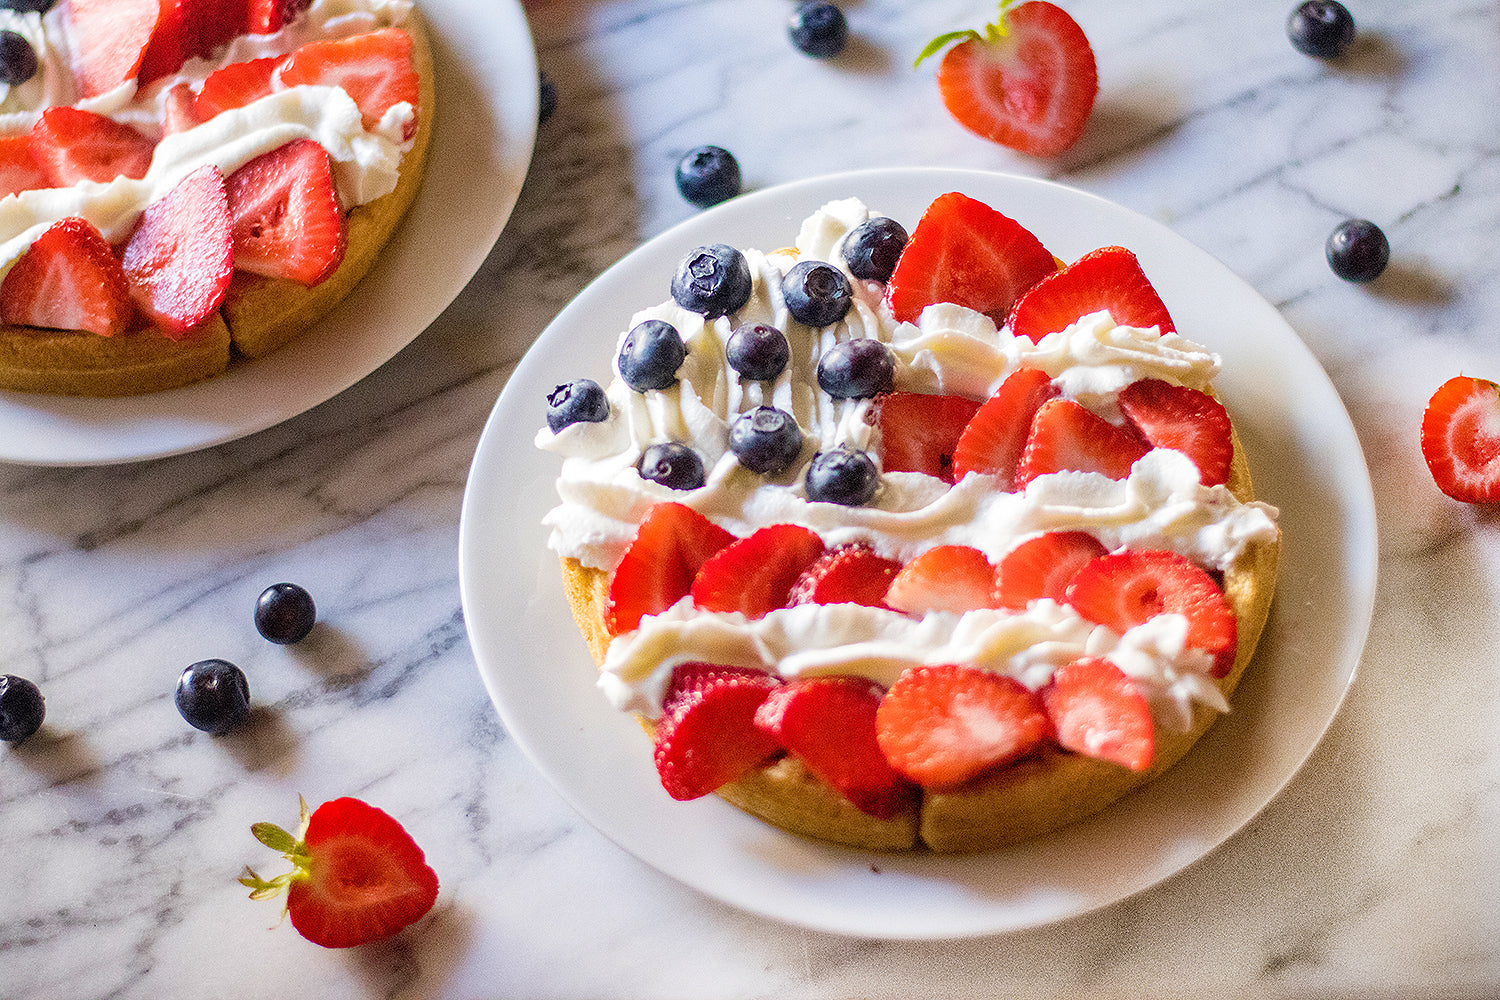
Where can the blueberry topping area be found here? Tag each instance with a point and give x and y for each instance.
(652, 353)
(285, 613)
(712, 280)
(581, 401)
(1321, 28)
(673, 465)
(708, 175)
(765, 440)
(18, 61)
(758, 351)
(843, 476)
(22, 708)
(1357, 250)
(872, 248)
(816, 293)
(27, 6)
(213, 696)
(856, 369)
(818, 28)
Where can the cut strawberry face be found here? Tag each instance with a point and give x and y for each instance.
(657, 570)
(19, 170)
(180, 257)
(954, 578)
(709, 737)
(965, 252)
(1461, 439)
(69, 279)
(109, 41)
(755, 574)
(847, 574)
(995, 438)
(1108, 278)
(286, 218)
(1042, 567)
(1067, 437)
(235, 86)
(1185, 420)
(72, 145)
(918, 432)
(1097, 711)
(374, 68)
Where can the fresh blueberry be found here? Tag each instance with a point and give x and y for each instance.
(285, 613)
(546, 97)
(673, 465)
(872, 249)
(17, 58)
(27, 6)
(1322, 28)
(842, 476)
(581, 401)
(712, 280)
(758, 351)
(708, 175)
(816, 293)
(652, 353)
(22, 708)
(213, 696)
(1357, 250)
(765, 440)
(818, 28)
(856, 369)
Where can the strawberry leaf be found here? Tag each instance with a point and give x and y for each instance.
(274, 837)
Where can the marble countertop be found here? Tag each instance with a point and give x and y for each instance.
(1376, 873)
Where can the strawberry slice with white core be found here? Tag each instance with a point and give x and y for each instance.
(671, 543)
(286, 218)
(755, 574)
(1099, 712)
(707, 735)
(1461, 439)
(374, 68)
(1043, 566)
(109, 39)
(995, 437)
(1108, 278)
(918, 432)
(954, 578)
(72, 145)
(181, 256)
(69, 279)
(1183, 419)
(1066, 437)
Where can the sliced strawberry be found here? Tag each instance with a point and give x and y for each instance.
(19, 170)
(846, 574)
(1185, 420)
(965, 252)
(235, 86)
(658, 567)
(918, 431)
(287, 222)
(1097, 711)
(828, 723)
(1129, 588)
(374, 68)
(72, 145)
(1066, 437)
(947, 578)
(180, 257)
(755, 574)
(267, 16)
(993, 441)
(69, 279)
(1042, 566)
(218, 22)
(709, 737)
(179, 112)
(172, 42)
(1028, 82)
(1461, 439)
(1108, 278)
(109, 39)
(945, 725)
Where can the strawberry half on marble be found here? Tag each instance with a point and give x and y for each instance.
(1461, 439)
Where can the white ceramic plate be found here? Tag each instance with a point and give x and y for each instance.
(1306, 459)
(481, 148)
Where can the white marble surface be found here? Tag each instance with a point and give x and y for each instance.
(1377, 872)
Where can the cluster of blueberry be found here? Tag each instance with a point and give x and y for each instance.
(715, 281)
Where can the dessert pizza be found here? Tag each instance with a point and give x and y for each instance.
(189, 181)
(911, 541)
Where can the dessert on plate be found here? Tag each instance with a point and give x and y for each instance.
(910, 541)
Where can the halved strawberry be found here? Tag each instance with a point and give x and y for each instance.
(267, 16)
(180, 257)
(1042, 566)
(72, 145)
(708, 737)
(1461, 439)
(993, 441)
(287, 222)
(69, 279)
(19, 170)
(1129, 588)
(658, 567)
(1185, 420)
(357, 875)
(846, 574)
(1067, 437)
(1108, 278)
(918, 431)
(235, 85)
(965, 252)
(828, 723)
(1097, 711)
(109, 39)
(179, 111)
(754, 575)
(1027, 82)
(944, 725)
(374, 68)
(947, 578)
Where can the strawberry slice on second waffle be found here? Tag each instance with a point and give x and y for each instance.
(1108, 278)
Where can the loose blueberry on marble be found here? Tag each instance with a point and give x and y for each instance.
(843, 476)
(1322, 28)
(650, 356)
(712, 280)
(22, 708)
(818, 28)
(581, 401)
(27, 6)
(285, 613)
(17, 58)
(758, 351)
(673, 465)
(708, 175)
(816, 293)
(213, 696)
(1358, 250)
(872, 248)
(765, 440)
(856, 369)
